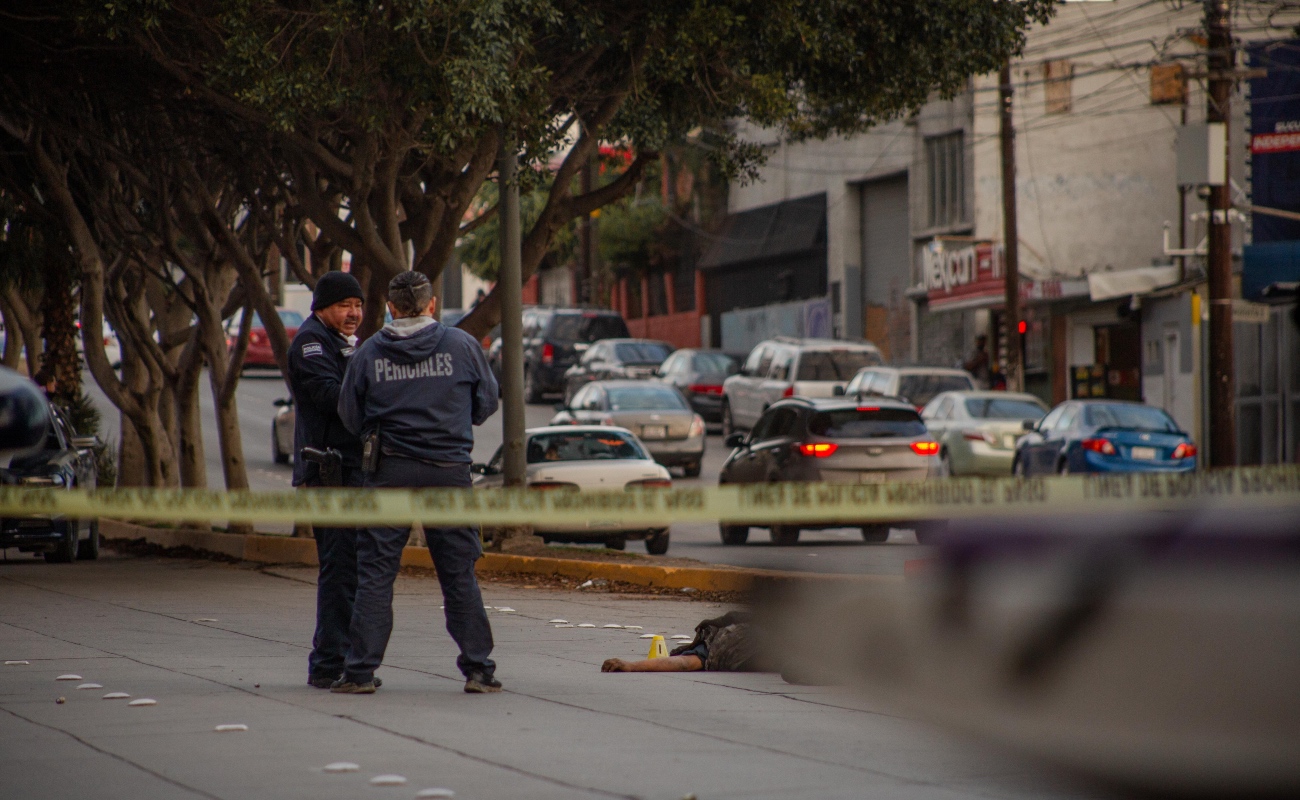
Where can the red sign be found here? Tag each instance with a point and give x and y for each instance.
(1288, 142)
(955, 272)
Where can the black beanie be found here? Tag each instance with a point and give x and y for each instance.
(334, 287)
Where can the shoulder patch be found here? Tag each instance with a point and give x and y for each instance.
(312, 349)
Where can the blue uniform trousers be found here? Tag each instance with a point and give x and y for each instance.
(379, 557)
(336, 586)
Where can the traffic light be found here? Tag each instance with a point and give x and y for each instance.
(1022, 327)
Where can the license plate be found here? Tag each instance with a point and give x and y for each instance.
(1143, 453)
(654, 431)
(872, 477)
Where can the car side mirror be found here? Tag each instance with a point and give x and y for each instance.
(838, 391)
(282, 401)
(85, 442)
(735, 440)
(1029, 425)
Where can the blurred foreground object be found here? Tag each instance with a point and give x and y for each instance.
(24, 414)
(1157, 653)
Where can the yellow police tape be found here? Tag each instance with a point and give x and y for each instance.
(755, 504)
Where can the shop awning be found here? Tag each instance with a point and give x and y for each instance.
(1110, 285)
(781, 230)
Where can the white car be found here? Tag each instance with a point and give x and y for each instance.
(584, 458)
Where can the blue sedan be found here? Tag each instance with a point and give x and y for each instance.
(1104, 436)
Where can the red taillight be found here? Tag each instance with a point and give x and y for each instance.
(704, 388)
(548, 354)
(1102, 446)
(868, 408)
(257, 337)
(554, 485)
(789, 391)
(925, 448)
(650, 483)
(818, 449)
(1185, 450)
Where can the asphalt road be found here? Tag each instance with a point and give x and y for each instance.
(217, 644)
(837, 550)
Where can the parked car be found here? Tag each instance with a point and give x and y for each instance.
(64, 460)
(832, 440)
(1104, 436)
(555, 338)
(658, 414)
(615, 358)
(978, 431)
(916, 385)
(259, 352)
(698, 375)
(451, 316)
(786, 367)
(282, 431)
(590, 458)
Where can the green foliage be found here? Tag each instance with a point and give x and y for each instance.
(807, 68)
(630, 232)
(480, 250)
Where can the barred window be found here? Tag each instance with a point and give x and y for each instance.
(946, 164)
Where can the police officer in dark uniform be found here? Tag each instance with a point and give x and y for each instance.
(318, 357)
(418, 386)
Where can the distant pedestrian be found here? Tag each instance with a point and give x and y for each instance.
(978, 363)
(318, 357)
(413, 392)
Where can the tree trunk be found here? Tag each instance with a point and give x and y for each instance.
(13, 352)
(194, 469)
(59, 330)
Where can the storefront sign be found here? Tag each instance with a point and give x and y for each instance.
(966, 275)
(955, 272)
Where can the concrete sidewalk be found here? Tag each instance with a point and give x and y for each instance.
(562, 729)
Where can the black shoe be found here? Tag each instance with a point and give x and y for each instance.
(345, 686)
(326, 682)
(480, 683)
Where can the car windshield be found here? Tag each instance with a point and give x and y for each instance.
(645, 398)
(641, 353)
(582, 446)
(1132, 417)
(866, 423)
(714, 362)
(587, 327)
(921, 388)
(1003, 408)
(834, 365)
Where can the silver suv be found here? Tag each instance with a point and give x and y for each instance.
(789, 367)
(916, 385)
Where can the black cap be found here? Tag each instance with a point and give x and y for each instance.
(334, 287)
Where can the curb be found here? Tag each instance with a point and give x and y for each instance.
(265, 549)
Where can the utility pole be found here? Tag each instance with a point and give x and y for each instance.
(1010, 238)
(1223, 413)
(510, 279)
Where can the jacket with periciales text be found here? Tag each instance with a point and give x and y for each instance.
(423, 385)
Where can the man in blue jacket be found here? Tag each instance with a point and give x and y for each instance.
(318, 356)
(421, 386)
